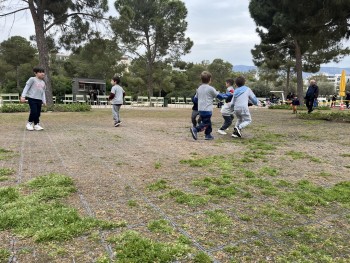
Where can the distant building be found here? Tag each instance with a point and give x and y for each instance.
(62, 56)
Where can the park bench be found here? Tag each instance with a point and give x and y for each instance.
(9, 98)
(68, 98)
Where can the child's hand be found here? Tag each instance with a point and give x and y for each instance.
(23, 99)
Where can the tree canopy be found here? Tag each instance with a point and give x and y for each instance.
(311, 32)
(153, 30)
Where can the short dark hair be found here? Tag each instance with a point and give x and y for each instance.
(230, 81)
(116, 79)
(205, 77)
(240, 81)
(38, 69)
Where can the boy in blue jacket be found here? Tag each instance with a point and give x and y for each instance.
(205, 95)
(241, 97)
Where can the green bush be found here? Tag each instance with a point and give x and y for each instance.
(14, 108)
(75, 107)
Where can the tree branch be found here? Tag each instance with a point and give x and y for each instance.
(62, 18)
(13, 12)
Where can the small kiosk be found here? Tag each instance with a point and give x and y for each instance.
(90, 89)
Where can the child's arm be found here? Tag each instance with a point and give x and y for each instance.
(26, 88)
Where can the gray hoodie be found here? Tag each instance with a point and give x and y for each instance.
(35, 89)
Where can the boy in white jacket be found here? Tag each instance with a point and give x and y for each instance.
(226, 109)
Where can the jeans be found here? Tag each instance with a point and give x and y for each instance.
(194, 115)
(35, 110)
(205, 125)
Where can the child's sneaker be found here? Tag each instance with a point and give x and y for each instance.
(194, 133)
(116, 124)
(237, 132)
(29, 126)
(37, 127)
(222, 132)
(209, 137)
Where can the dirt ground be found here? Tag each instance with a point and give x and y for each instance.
(113, 165)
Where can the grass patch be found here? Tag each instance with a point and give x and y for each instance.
(219, 219)
(345, 155)
(157, 186)
(132, 247)
(188, 199)
(300, 155)
(338, 116)
(4, 255)
(160, 226)
(201, 257)
(268, 171)
(40, 214)
(5, 154)
(5, 173)
(325, 174)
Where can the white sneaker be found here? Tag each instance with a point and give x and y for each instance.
(37, 127)
(29, 126)
(222, 132)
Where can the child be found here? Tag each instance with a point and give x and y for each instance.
(34, 91)
(241, 96)
(227, 110)
(229, 86)
(116, 97)
(295, 104)
(205, 95)
(195, 112)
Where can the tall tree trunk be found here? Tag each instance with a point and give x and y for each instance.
(38, 18)
(288, 79)
(299, 70)
(17, 80)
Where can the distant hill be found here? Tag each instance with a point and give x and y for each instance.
(328, 70)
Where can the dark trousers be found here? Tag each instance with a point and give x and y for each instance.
(309, 104)
(194, 120)
(205, 125)
(35, 110)
(228, 121)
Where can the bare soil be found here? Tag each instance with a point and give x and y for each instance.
(113, 165)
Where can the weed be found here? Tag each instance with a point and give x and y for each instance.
(160, 226)
(132, 203)
(345, 155)
(132, 247)
(246, 218)
(159, 185)
(296, 155)
(157, 165)
(324, 174)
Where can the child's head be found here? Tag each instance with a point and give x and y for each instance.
(240, 81)
(229, 82)
(115, 80)
(39, 72)
(205, 77)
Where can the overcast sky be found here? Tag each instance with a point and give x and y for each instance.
(219, 29)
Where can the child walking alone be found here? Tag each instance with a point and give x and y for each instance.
(295, 104)
(34, 91)
(205, 95)
(117, 98)
(241, 97)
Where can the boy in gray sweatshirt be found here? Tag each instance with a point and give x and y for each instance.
(205, 95)
(241, 96)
